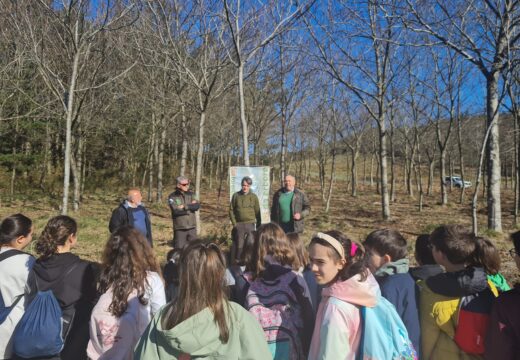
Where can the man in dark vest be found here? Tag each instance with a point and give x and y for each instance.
(183, 206)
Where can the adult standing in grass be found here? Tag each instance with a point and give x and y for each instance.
(244, 211)
(290, 206)
(183, 206)
(132, 212)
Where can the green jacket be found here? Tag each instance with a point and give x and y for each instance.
(245, 208)
(198, 337)
(300, 204)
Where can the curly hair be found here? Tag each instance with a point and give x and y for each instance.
(270, 240)
(55, 233)
(126, 259)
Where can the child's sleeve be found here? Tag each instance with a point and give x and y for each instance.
(157, 296)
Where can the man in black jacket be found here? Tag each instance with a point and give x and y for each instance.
(132, 212)
(183, 206)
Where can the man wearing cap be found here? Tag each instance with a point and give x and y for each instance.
(183, 206)
(290, 206)
(132, 212)
(244, 212)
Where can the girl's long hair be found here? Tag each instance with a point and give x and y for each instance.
(356, 261)
(126, 259)
(55, 233)
(201, 285)
(270, 240)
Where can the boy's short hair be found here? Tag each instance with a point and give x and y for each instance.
(456, 242)
(423, 250)
(387, 242)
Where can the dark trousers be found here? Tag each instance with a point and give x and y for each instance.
(241, 233)
(182, 237)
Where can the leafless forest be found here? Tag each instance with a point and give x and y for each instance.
(109, 94)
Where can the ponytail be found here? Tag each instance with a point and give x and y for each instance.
(13, 227)
(55, 234)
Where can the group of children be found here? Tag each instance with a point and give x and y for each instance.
(335, 299)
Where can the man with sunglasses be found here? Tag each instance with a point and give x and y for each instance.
(183, 206)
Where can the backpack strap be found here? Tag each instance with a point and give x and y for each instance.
(12, 252)
(362, 315)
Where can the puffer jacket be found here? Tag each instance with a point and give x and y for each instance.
(440, 297)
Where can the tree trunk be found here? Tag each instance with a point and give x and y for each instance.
(385, 203)
(493, 155)
(198, 174)
(160, 165)
(243, 120)
(68, 129)
(184, 134)
(353, 172)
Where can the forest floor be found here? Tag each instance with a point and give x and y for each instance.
(356, 216)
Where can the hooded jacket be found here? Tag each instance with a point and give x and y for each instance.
(440, 297)
(76, 294)
(15, 274)
(503, 337)
(337, 332)
(198, 337)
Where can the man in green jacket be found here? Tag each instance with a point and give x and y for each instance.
(244, 211)
(290, 206)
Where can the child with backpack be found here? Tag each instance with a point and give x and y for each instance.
(132, 292)
(301, 265)
(55, 323)
(15, 265)
(202, 323)
(387, 250)
(353, 320)
(455, 305)
(503, 337)
(275, 295)
(490, 261)
(424, 257)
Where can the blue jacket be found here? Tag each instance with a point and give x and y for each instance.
(401, 290)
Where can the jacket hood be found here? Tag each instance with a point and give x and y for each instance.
(51, 268)
(355, 291)
(425, 271)
(197, 335)
(466, 282)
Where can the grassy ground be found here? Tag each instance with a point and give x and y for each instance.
(356, 216)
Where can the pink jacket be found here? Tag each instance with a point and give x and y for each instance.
(337, 331)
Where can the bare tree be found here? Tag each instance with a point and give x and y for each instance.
(482, 32)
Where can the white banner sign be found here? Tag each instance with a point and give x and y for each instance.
(260, 176)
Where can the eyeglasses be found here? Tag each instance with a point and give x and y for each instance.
(513, 252)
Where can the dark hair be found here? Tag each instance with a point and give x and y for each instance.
(201, 285)
(486, 255)
(515, 237)
(13, 227)
(356, 264)
(387, 242)
(301, 260)
(456, 242)
(423, 250)
(270, 240)
(126, 260)
(55, 233)
(247, 180)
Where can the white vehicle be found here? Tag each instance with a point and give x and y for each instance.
(456, 181)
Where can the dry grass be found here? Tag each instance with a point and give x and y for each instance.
(356, 216)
